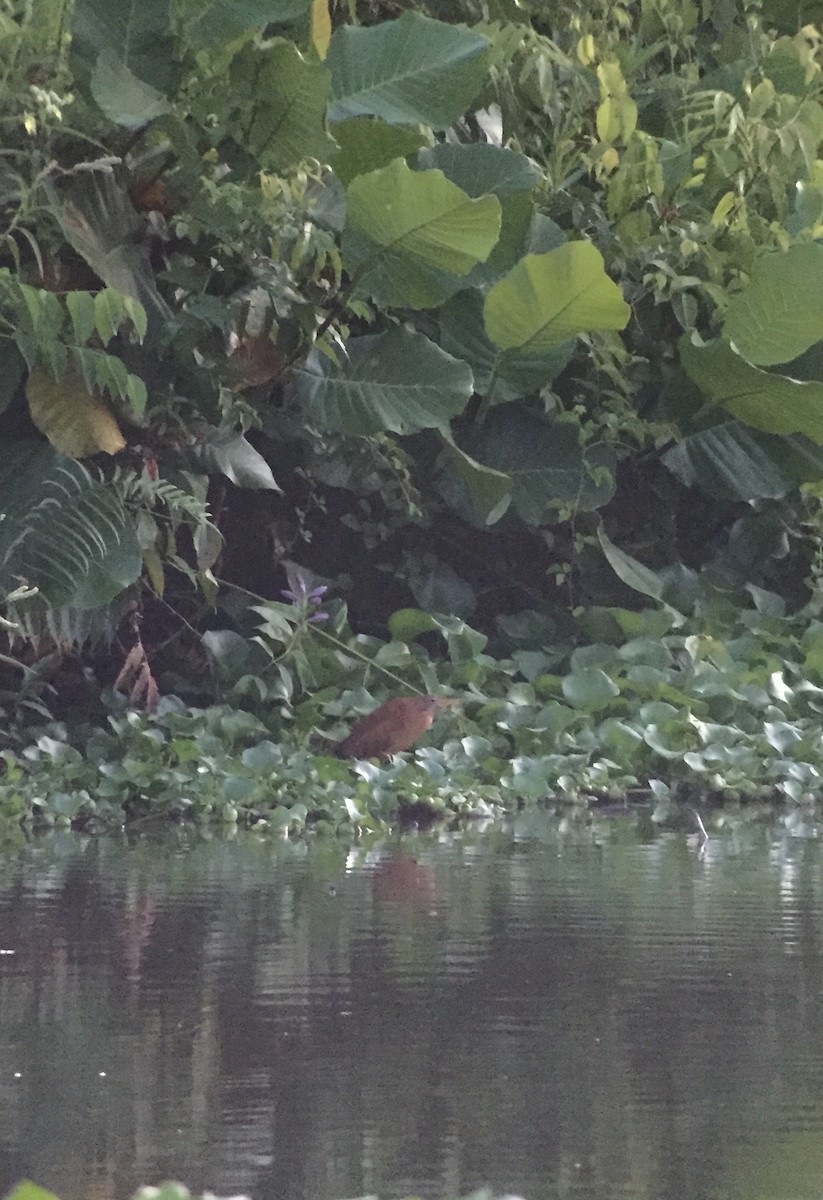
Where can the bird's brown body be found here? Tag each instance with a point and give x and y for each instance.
(392, 727)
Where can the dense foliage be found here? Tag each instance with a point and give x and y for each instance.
(506, 310)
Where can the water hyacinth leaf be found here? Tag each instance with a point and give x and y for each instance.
(589, 688)
(531, 778)
(413, 71)
(405, 228)
(396, 381)
(780, 313)
(408, 623)
(548, 298)
(772, 403)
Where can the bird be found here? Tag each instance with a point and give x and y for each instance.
(392, 727)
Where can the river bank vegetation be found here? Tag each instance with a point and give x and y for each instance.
(358, 349)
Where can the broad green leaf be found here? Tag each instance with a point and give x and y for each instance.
(395, 381)
(408, 623)
(548, 298)
(367, 143)
(136, 33)
(780, 313)
(728, 460)
(283, 98)
(228, 453)
(545, 461)
(478, 494)
(73, 417)
(499, 375)
(122, 97)
(81, 306)
(480, 169)
(773, 403)
(413, 71)
(224, 21)
(633, 573)
(403, 225)
(108, 313)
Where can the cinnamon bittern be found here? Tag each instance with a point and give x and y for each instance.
(392, 727)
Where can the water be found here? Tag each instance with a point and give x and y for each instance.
(596, 1012)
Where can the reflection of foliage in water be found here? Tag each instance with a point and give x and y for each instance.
(406, 1015)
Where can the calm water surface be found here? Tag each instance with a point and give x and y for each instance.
(597, 1013)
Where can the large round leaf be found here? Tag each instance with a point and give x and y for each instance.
(545, 461)
(728, 460)
(773, 403)
(413, 71)
(403, 226)
(547, 298)
(74, 417)
(396, 381)
(780, 314)
(499, 375)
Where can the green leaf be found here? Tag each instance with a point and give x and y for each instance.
(122, 97)
(136, 33)
(728, 460)
(633, 573)
(547, 298)
(108, 313)
(780, 313)
(408, 623)
(499, 375)
(589, 688)
(367, 143)
(63, 532)
(81, 311)
(403, 226)
(71, 413)
(545, 461)
(26, 1190)
(773, 403)
(481, 169)
(477, 493)
(395, 381)
(413, 71)
(282, 97)
(224, 21)
(228, 453)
